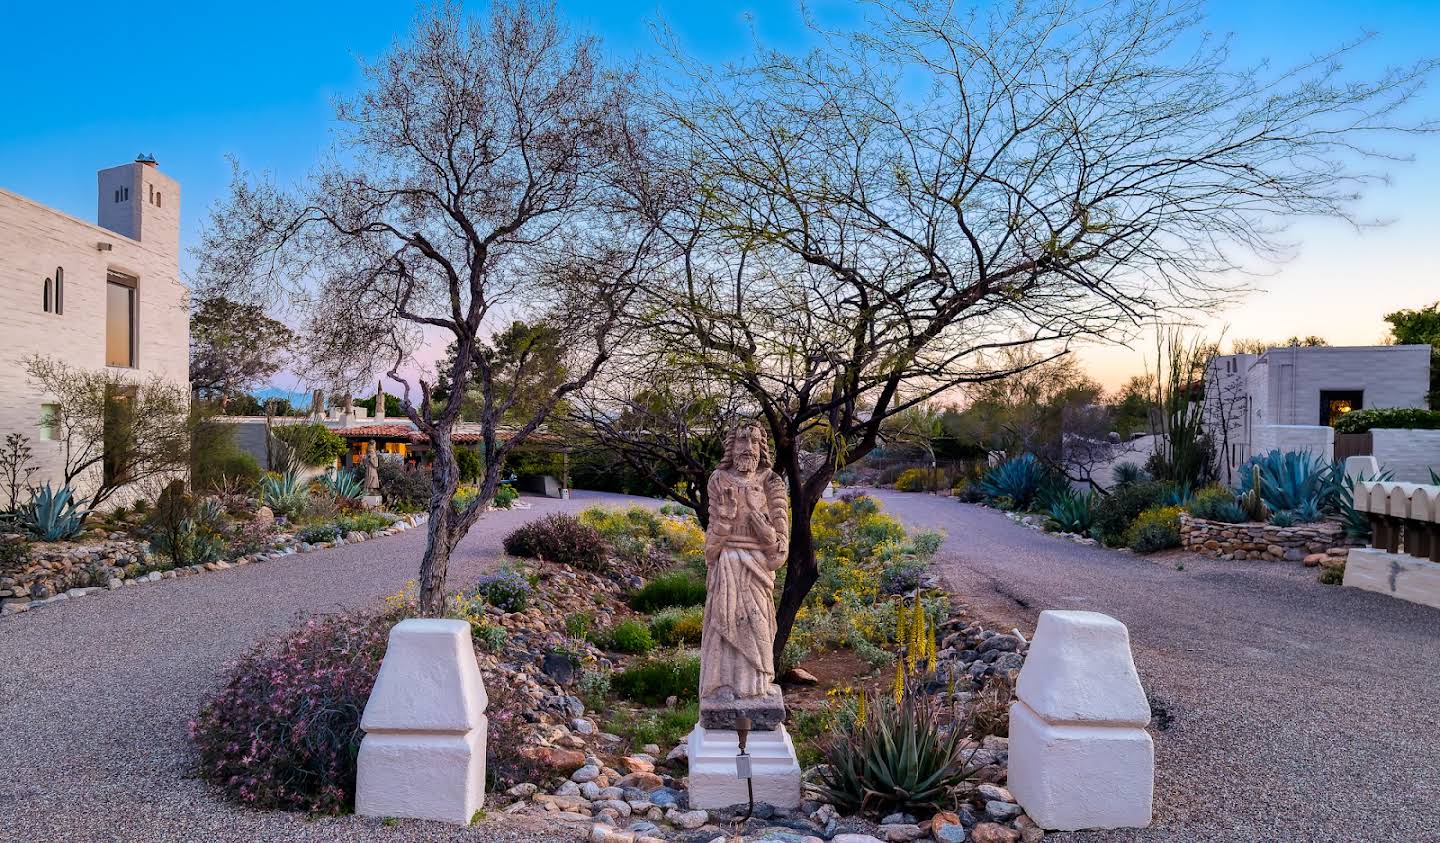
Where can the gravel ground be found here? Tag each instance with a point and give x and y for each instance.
(95, 694)
(1296, 711)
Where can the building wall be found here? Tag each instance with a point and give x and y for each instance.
(35, 240)
(1389, 376)
(1408, 454)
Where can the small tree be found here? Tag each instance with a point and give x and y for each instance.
(234, 347)
(1421, 326)
(115, 429)
(485, 175)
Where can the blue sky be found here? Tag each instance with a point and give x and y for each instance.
(88, 85)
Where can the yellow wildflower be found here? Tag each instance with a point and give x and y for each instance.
(899, 689)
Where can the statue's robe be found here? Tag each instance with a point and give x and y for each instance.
(745, 544)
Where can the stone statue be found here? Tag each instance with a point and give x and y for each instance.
(745, 544)
(372, 469)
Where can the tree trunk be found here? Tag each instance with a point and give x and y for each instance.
(441, 534)
(801, 570)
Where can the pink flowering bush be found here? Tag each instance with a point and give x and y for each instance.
(285, 730)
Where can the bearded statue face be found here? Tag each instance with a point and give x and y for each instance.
(746, 446)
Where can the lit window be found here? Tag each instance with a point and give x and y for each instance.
(49, 422)
(59, 290)
(120, 320)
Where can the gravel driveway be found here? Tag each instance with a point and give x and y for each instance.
(1296, 711)
(95, 693)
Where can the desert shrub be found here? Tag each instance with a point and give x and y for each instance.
(404, 488)
(1332, 575)
(506, 589)
(677, 510)
(285, 730)
(216, 472)
(284, 494)
(903, 577)
(914, 480)
(901, 757)
(593, 687)
(559, 538)
(1411, 418)
(1216, 503)
(1282, 519)
(664, 728)
(630, 636)
(989, 710)
(324, 506)
(365, 522)
(470, 464)
(678, 627)
(1117, 510)
(185, 532)
(529, 461)
(509, 757)
(657, 678)
(676, 588)
(505, 497)
(319, 533)
(1154, 529)
(248, 537)
(14, 553)
(312, 443)
(683, 538)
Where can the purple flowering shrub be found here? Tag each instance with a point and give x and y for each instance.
(285, 730)
(559, 538)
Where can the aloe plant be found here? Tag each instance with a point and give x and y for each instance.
(898, 759)
(52, 514)
(1073, 513)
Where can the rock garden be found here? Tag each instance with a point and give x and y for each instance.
(586, 637)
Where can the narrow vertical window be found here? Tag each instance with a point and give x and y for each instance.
(157, 198)
(120, 334)
(49, 422)
(60, 291)
(47, 295)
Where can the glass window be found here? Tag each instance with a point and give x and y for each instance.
(49, 422)
(120, 320)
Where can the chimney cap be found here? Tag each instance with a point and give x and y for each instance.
(145, 158)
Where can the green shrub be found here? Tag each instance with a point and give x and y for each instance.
(1332, 576)
(678, 627)
(655, 679)
(1155, 529)
(664, 728)
(559, 538)
(313, 443)
(471, 466)
(404, 488)
(630, 636)
(914, 480)
(676, 588)
(14, 553)
(1216, 503)
(898, 759)
(1411, 418)
(1073, 512)
(319, 533)
(1117, 510)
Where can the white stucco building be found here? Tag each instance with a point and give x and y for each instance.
(1288, 397)
(92, 295)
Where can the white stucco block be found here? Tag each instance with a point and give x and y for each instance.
(1396, 574)
(775, 770)
(1361, 466)
(423, 776)
(1071, 776)
(1079, 670)
(429, 680)
(423, 755)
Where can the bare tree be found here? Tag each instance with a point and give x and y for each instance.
(870, 223)
(480, 179)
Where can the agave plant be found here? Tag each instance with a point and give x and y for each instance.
(1128, 474)
(52, 514)
(1074, 513)
(900, 758)
(343, 484)
(1020, 479)
(1356, 523)
(283, 493)
(1289, 479)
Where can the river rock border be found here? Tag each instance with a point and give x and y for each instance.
(1266, 542)
(52, 572)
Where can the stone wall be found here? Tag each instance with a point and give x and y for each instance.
(57, 568)
(1302, 542)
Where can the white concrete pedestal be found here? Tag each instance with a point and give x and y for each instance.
(1079, 753)
(423, 754)
(1396, 574)
(774, 767)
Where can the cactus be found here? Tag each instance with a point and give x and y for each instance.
(1253, 501)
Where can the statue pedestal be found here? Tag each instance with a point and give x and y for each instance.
(774, 768)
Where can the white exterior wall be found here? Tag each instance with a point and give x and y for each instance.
(35, 240)
(1388, 375)
(1408, 454)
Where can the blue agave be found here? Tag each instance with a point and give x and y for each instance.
(343, 484)
(1290, 480)
(1020, 480)
(1074, 513)
(52, 514)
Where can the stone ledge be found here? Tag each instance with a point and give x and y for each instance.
(1259, 541)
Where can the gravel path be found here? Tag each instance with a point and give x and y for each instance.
(95, 694)
(1297, 711)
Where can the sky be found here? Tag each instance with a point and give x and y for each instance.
(87, 85)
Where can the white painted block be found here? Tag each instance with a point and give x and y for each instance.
(1079, 669)
(423, 754)
(1396, 574)
(713, 780)
(1070, 776)
(1361, 466)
